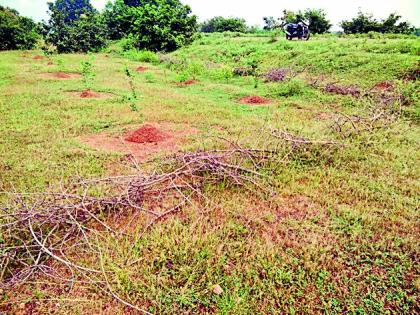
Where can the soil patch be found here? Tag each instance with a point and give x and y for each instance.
(38, 57)
(50, 63)
(187, 83)
(61, 75)
(142, 69)
(324, 116)
(150, 139)
(254, 100)
(147, 134)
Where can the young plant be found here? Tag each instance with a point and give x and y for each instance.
(133, 95)
(150, 78)
(87, 72)
(60, 64)
(226, 73)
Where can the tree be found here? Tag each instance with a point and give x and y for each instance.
(74, 26)
(289, 17)
(221, 24)
(132, 3)
(315, 18)
(159, 25)
(16, 32)
(270, 23)
(365, 23)
(390, 25)
(119, 18)
(73, 9)
(318, 22)
(362, 23)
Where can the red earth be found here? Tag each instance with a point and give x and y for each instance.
(50, 63)
(385, 86)
(89, 94)
(141, 69)
(254, 100)
(37, 57)
(147, 134)
(186, 83)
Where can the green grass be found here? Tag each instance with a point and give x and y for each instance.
(341, 234)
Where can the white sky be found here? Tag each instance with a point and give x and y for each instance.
(253, 11)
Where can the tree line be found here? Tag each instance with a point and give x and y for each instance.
(158, 25)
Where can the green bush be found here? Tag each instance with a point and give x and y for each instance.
(16, 32)
(221, 24)
(288, 88)
(142, 55)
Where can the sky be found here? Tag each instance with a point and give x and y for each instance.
(254, 11)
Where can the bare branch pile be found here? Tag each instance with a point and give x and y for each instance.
(57, 234)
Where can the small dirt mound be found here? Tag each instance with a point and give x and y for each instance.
(384, 86)
(38, 57)
(147, 134)
(142, 69)
(89, 94)
(50, 63)
(61, 75)
(187, 83)
(254, 100)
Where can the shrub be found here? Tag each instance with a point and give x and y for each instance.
(221, 24)
(142, 55)
(84, 33)
(16, 32)
(276, 75)
(289, 88)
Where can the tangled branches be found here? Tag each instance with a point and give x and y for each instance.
(382, 110)
(58, 234)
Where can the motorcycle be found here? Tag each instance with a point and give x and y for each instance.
(299, 30)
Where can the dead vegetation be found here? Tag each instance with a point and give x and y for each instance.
(58, 234)
(381, 112)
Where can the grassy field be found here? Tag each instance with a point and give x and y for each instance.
(340, 234)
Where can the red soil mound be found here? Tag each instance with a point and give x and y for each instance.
(37, 57)
(187, 83)
(385, 86)
(141, 69)
(147, 134)
(89, 94)
(50, 63)
(254, 100)
(62, 75)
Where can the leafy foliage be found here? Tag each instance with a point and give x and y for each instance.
(318, 22)
(16, 32)
(221, 24)
(316, 19)
(158, 25)
(365, 23)
(86, 32)
(73, 9)
(270, 23)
